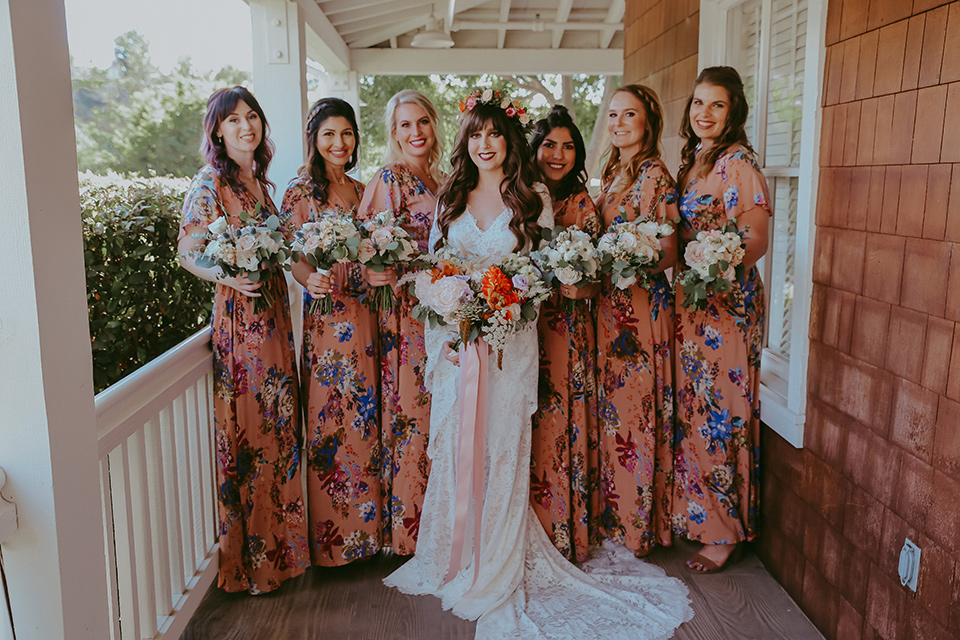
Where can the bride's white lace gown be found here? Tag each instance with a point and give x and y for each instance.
(525, 588)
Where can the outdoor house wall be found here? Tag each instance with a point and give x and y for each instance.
(881, 456)
(660, 51)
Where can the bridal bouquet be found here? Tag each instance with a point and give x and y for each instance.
(384, 243)
(628, 249)
(324, 243)
(491, 304)
(256, 249)
(714, 260)
(570, 257)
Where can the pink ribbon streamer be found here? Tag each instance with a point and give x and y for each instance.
(470, 468)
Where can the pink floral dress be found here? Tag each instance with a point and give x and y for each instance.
(564, 478)
(718, 372)
(261, 526)
(341, 396)
(635, 381)
(405, 404)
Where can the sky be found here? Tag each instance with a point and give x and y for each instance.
(213, 33)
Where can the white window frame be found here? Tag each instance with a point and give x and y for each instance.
(783, 384)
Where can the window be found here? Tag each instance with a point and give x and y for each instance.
(776, 45)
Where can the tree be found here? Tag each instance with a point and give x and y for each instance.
(133, 119)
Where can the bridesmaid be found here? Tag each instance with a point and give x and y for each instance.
(339, 360)
(634, 329)
(407, 186)
(564, 481)
(718, 349)
(263, 534)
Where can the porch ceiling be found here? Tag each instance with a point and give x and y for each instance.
(490, 36)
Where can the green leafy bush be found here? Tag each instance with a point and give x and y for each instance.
(141, 301)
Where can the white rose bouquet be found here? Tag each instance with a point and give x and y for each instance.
(629, 249)
(256, 249)
(569, 257)
(383, 243)
(324, 243)
(714, 260)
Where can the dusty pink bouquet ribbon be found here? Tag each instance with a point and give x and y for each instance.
(471, 450)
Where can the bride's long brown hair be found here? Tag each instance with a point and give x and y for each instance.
(519, 174)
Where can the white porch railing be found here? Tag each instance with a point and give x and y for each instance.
(155, 434)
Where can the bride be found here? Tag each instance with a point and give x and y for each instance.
(511, 579)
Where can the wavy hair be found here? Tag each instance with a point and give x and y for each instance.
(559, 118)
(649, 146)
(220, 105)
(519, 174)
(393, 152)
(314, 169)
(734, 129)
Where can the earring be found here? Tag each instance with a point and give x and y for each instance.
(220, 140)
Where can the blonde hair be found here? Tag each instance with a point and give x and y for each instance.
(393, 152)
(650, 145)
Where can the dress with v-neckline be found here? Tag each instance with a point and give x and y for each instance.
(476, 223)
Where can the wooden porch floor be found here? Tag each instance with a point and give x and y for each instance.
(350, 603)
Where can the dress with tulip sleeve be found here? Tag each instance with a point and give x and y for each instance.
(338, 366)
(261, 525)
(405, 402)
(718, 371)
(564, 479)
(634, 378)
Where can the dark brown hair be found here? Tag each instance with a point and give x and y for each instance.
(220, 105)
(559, 118)
(649, 146)
(733, 132)
(314, 170)
(519, 174)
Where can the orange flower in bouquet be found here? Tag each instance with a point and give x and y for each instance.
(498, 289)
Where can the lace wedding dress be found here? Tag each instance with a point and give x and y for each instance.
(524, 588)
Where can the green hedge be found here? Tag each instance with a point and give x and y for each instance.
(141, 301)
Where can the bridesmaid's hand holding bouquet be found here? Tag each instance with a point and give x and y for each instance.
(714, 260)
(383, 245)
(569, 257)
(255, 249)
(629, 250)
(324, 243)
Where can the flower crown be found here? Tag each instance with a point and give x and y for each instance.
(511, 107)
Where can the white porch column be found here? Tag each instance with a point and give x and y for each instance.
(54, 562)
(280, 81)
(342, 84)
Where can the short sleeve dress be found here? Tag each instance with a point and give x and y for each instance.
(564, 479)
(261, 525)
(718, 371)
(405, 402)
(341, 393)
(635, 379)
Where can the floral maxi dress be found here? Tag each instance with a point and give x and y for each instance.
(635, 379)
(564, 481)
(405, 402)
(341, 395)
(261, 525)
(718, 372)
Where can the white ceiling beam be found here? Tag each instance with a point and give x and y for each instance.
(373, 23)
(614, 15)
(333, 7)
(372, 37)
(563, 14)
(324, 43)
(480, 61)
(504, 17)
(547, 15)
(392, 8)
(519, 25)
